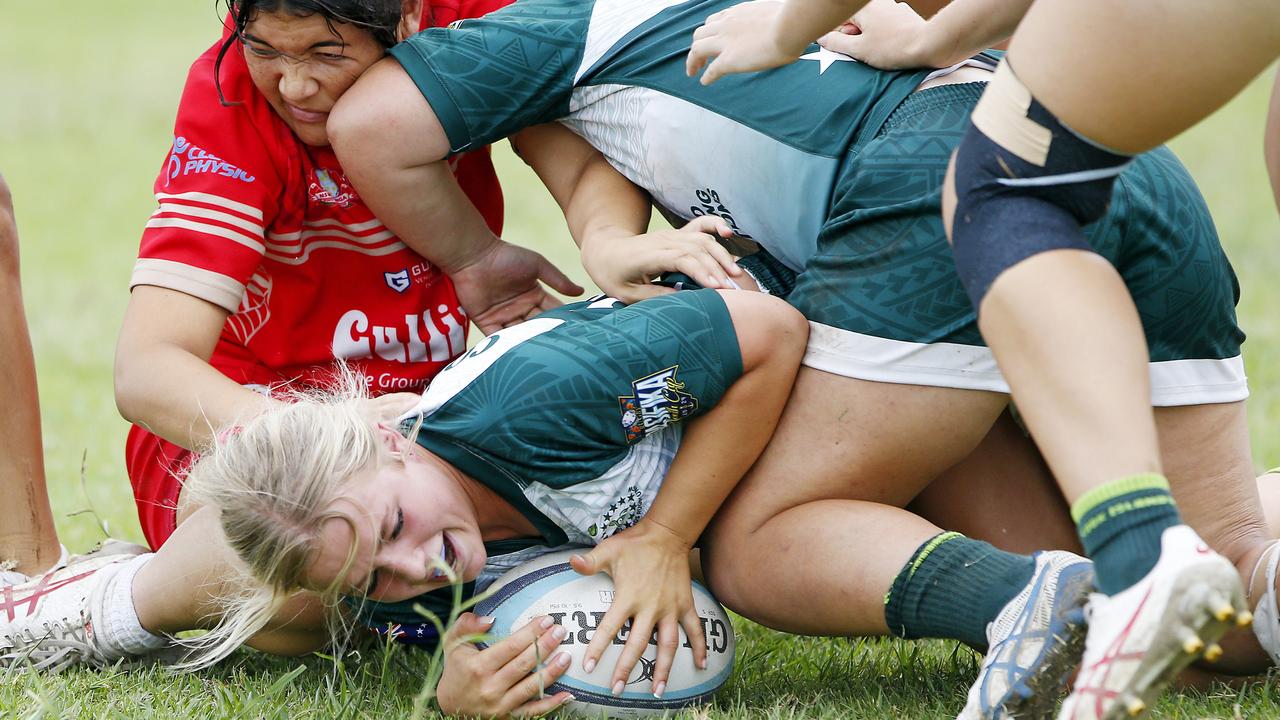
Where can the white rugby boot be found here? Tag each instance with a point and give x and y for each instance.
(10, 577)
(1034, 643)
(1266, 614)
(47, 623)
(1141, 637)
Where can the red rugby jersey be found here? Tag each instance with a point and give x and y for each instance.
(252, 220)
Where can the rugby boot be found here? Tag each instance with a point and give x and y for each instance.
(1034, 643)
(47, 623)
(1141, 637)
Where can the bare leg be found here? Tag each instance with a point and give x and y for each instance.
(178, 590)
(1061, 323)
(1005, 471)
(27, 533)
(809, 516)
(1210, 470)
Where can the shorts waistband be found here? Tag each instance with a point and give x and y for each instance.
(929, 99)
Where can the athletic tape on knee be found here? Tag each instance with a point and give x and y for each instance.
(1025, 184)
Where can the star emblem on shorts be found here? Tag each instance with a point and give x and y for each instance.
(826, 58)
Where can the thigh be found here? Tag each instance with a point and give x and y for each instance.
(1002, 493)
(1098, 64)
(848, 439)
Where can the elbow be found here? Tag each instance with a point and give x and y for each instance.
(130, 389)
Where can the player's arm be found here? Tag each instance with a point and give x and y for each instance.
(1271, 141)
(163, 378)
(649, 561)
(393, 149)
(890, 35)
(608, 217)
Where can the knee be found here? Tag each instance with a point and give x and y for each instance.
(1023, 177)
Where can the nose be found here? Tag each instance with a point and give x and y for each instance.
(410, 566)
(296, 82)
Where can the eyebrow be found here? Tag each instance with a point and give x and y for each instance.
(322, 43)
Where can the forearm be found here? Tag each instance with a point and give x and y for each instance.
(1271, 141)
(803, 21)
(425, 207)
(965, 27)
(181, 397)
(595, 198)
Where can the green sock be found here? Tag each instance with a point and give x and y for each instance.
(952, 587)
(1120, 524)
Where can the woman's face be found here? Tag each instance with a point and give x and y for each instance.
(410, 519)
(303, 64)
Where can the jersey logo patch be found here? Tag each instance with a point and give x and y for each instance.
(398, 281)
(623, 512)
(658, 400)
(186, 159)
(332, 188)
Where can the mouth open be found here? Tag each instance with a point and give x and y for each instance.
(448, 557)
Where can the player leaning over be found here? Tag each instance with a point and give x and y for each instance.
(1057, 126)
(858, 212)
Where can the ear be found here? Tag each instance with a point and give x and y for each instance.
(391, 439)
(410, 18)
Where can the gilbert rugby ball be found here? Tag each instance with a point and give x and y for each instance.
(549, 586)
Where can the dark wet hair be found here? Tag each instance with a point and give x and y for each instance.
(379, 17)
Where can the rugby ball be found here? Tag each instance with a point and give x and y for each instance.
(549, 586)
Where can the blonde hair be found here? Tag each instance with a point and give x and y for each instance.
(273, 481)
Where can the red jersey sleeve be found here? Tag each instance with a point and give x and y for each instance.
(439, 13)
(219, 188)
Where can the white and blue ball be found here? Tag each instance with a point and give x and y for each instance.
(549, 586)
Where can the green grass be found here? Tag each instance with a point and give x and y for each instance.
(87, 97)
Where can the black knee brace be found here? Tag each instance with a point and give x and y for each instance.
(1025, 184)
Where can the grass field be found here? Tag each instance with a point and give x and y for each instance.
(87, 95)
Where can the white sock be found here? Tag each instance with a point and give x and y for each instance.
(116, 621)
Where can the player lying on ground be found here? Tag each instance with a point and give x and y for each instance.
(561, 430)
(863, 154)
(1039, 162)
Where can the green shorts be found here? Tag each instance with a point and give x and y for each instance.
(885, 302)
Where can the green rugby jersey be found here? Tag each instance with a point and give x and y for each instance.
(759, 150)
(574, 417)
